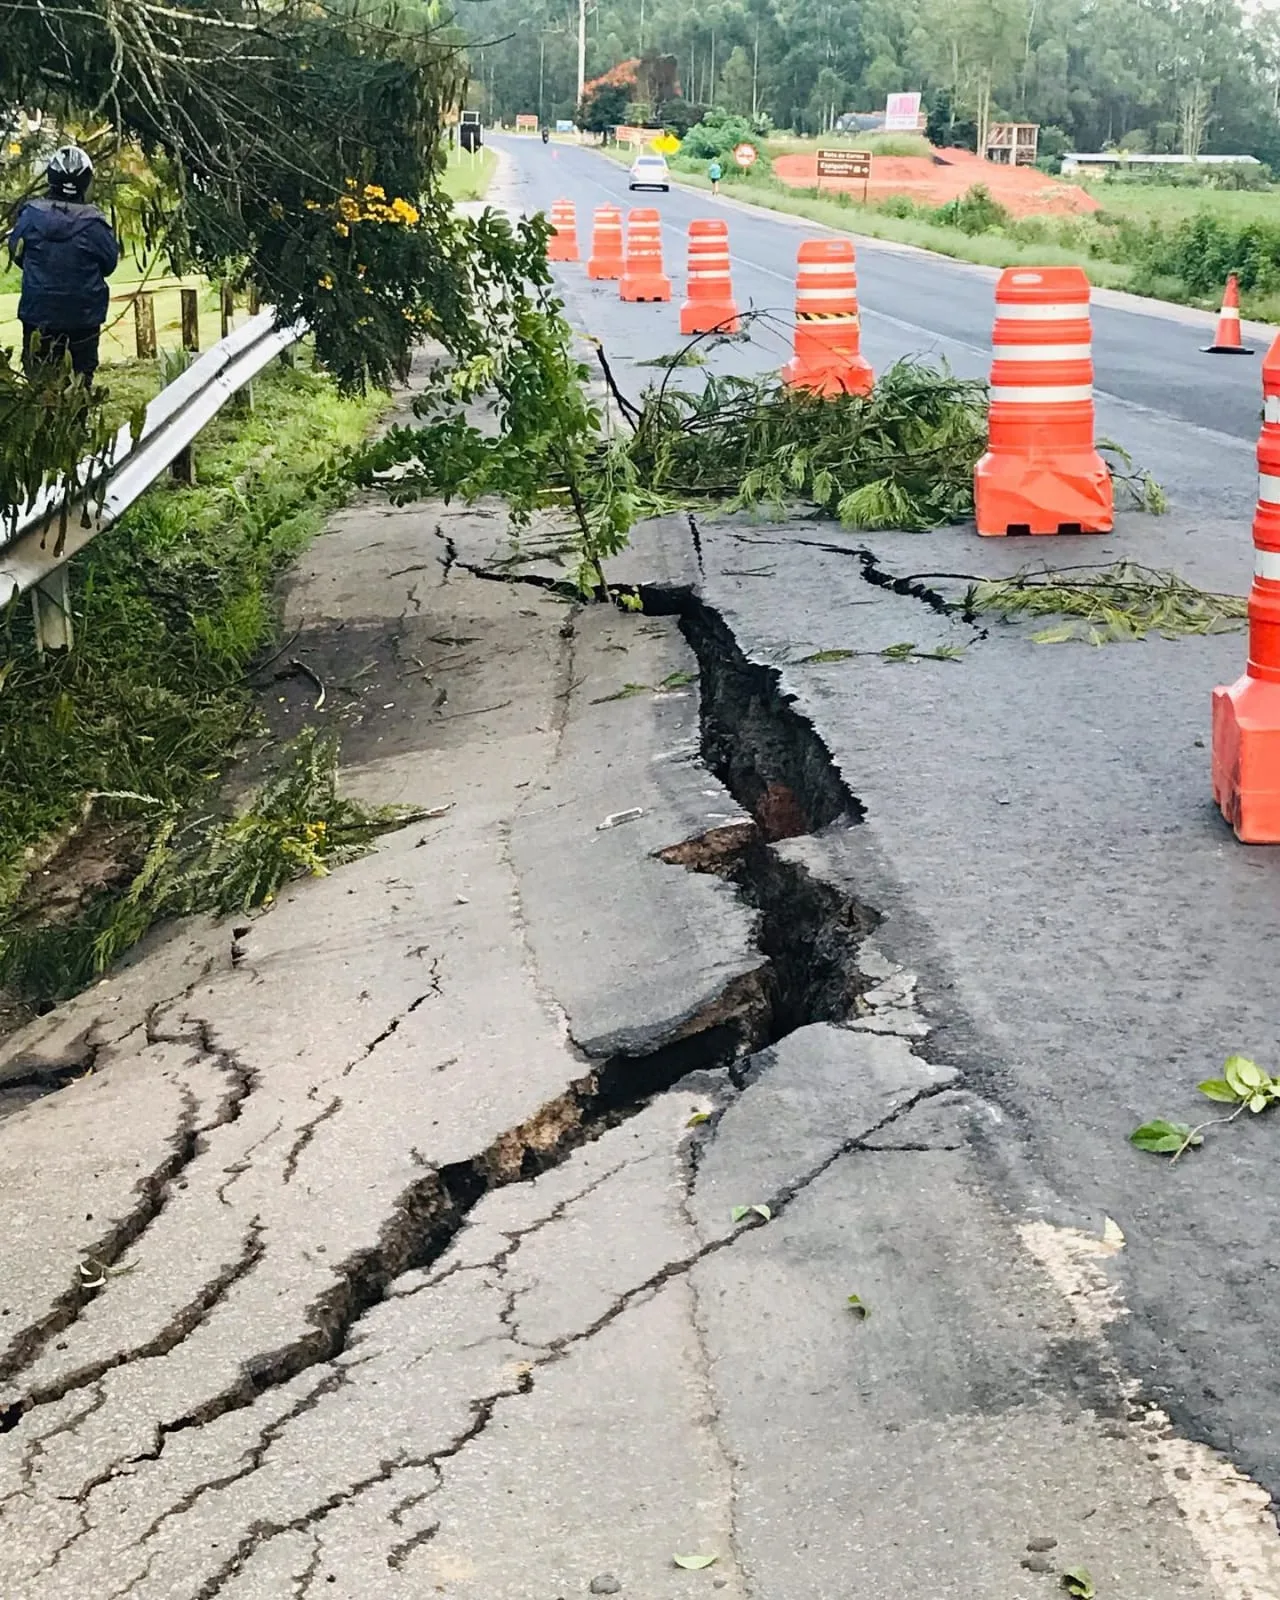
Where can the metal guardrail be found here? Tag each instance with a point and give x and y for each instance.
(41, 543)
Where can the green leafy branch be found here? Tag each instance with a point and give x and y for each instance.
(1243, 1084)
(1124, 601)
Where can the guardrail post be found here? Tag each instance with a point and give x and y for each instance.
(51, 608)
(144, 325)
(227, 306)
(190, 319)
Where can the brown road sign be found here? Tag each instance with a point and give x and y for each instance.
(844, 164)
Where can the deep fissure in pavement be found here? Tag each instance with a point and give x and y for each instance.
(775, 765)
(772, 761)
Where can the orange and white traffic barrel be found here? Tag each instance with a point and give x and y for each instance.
(1041, 472)
(563, 243)
(710, 307)
(606, 244)
(1246, 715)
(642, 277)
(828, 344)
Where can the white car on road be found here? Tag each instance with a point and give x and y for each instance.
(649, 171)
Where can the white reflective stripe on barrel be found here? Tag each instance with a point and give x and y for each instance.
(1266, 564)
(1269, 489)
(1049, 395)
(1076, 312)
(826, 268)
(825, 294)
(1271, 408)
(1043, 352)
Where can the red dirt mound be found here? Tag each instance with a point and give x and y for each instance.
(1023, 191)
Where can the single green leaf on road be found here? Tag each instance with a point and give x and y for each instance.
(1076, 1581)
(1245, 1077)
(1218, 1089)
(694, 1563)
(1164, 1138)
(858, 1306)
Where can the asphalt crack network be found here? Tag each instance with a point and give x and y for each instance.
(776, 766)
(153, 1192)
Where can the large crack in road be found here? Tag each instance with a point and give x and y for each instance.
(239, 1466)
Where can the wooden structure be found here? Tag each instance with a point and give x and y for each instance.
(1013, 144)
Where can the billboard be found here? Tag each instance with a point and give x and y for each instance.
(902, 113)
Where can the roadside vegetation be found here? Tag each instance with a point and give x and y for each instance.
(467, 177)
(103, 747)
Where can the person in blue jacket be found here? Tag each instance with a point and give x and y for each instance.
(66, 250)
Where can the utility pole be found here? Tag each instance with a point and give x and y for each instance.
(755, 75)
(582, 47)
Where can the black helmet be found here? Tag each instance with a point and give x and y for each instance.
(68, 173)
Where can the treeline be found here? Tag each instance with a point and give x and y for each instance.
(1187, 76)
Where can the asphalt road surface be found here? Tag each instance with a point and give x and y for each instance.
(1039, 827)
(482, 1220)
(910, 301)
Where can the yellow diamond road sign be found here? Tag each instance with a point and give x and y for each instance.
(666, 144)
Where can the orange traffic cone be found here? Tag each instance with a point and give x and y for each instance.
(1041, 473)
(642, 277)
(710, 307)
(1227, 340)
(563, 243)
(828, 349)
(606, 244)
(1246, 716)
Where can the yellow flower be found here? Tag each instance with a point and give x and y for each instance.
(341, 229)
(348, 208)
(313, 205)
(404, 211)
(325, 280)
(373, 192)
(275, 210)
(350, 182)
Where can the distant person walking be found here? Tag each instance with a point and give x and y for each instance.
(714, 173)
(67, 251)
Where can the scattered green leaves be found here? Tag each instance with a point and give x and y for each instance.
(1076, 1581)
(891, 652)
(738, 1212)
(1243, 1084)
(695, 1563)
(697, 1119)
(690, 356)
(1124, 601)
(858, 1306)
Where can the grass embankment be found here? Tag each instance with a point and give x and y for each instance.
(467, 177)
(172, 607)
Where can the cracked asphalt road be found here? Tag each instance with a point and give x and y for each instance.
(397, 1256)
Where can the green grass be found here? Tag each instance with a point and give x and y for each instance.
(172, 606)
(468, 177)
(1145, 202)
(880, 144)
